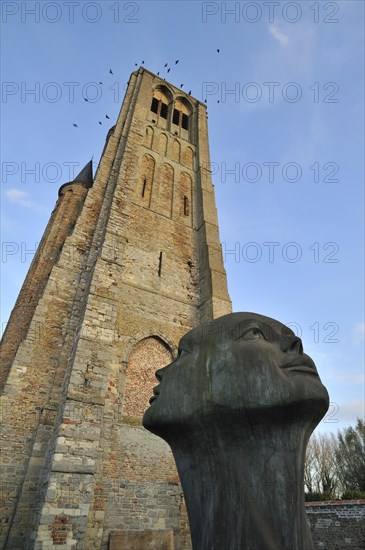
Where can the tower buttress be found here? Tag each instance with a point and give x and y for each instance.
(62, 221)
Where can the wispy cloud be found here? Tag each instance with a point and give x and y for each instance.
(351, 410)
(358, 333)
(341, 415)
(350, 378)
(343, 376)
(20, 197)
(282, 38)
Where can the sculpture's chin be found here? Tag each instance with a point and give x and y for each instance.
(315, 401)
(154, 422)
(147, 421)
(308, 411)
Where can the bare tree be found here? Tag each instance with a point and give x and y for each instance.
(326, 464)
(320, 473)
(309, 468)
(350, 457)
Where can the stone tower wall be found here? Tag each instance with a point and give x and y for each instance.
(146, 267)
(34, 394)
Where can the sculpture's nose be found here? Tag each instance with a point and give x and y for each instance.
(292, 344)
(159, 373)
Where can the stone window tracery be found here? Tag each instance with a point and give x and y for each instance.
(181, 119)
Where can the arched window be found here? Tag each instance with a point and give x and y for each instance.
(164, 190)
(148, 137)
(136, 448)
(181, 119)
(183, 199)
(160, 105)
(188, 157)
(144, 188)
(146, 356)
(175, 150)
(162, 144)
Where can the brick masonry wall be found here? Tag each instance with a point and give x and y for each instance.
(80, 454)
(34, 393)
(337, 525)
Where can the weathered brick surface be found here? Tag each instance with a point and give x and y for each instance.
(337, 525)
(148, 540)
(141, 378)
(138, 264)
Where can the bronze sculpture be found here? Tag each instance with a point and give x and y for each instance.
(237, 408)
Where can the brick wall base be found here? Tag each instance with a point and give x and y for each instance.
(337, 525)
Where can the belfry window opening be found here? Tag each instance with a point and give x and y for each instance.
(181, 119)
(160, 105)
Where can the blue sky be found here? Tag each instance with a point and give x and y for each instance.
(285, 98)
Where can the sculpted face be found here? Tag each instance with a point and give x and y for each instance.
(239, 364)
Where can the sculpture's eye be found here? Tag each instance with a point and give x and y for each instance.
(253, 334)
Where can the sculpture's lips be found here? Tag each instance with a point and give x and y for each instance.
(303, 369)
(302, 363)
(156, 393)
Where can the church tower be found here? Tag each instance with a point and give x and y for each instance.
(129, 262)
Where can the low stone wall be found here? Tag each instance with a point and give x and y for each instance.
(337, 525)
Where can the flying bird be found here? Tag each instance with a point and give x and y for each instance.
(85, 99)
(181, 85)
(205, 100)
(75, 125)
(111, 72)
(100, 122)
(158, 73)
(177, 61)
(136, 64)
(106, 116)
(168, 70)
(142, 62)
(165, 64)
(218, 50)
(100, 82)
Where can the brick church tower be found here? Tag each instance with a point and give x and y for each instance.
(129, 262)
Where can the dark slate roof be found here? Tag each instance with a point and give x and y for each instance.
(86, 175)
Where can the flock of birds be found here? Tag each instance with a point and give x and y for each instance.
(166, 67)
